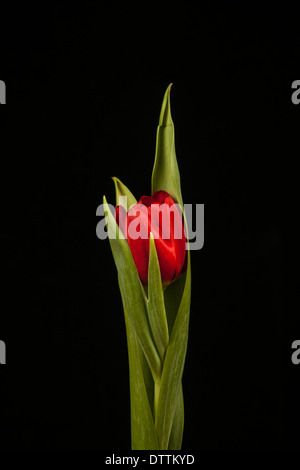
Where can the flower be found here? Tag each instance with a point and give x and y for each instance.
(160, 215)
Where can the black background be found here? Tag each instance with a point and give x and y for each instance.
(84, 90)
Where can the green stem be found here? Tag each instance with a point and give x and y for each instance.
(156, 397)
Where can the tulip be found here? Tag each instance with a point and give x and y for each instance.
(154, 276)
(167, 230)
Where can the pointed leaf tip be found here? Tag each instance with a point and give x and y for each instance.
(165, 118)
(121, 192)
(165, 175)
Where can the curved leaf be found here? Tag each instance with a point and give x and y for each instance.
(143, 433)
(176, 435)
(173, 295)
(173, 366)
(166, 174)
(156, 305)
(121, 191)
(132, 291)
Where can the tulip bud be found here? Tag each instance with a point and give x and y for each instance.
(161, 216)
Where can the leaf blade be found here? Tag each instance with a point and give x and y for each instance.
(174, 365)
(176, 435)
(156, 305)
(133, 291)
(121, 192)
(143, 432)
(166, 174)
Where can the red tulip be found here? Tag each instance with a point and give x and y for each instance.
(148, 215)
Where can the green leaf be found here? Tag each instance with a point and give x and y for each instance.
(148, 379)
(133, 291)
(173, 295)
(173, 366)
(156, 305)
(177, 297)
(121, 192)
(166, 174)
(143, 432)
(176, 435)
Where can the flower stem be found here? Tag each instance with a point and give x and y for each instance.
(156, 397)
